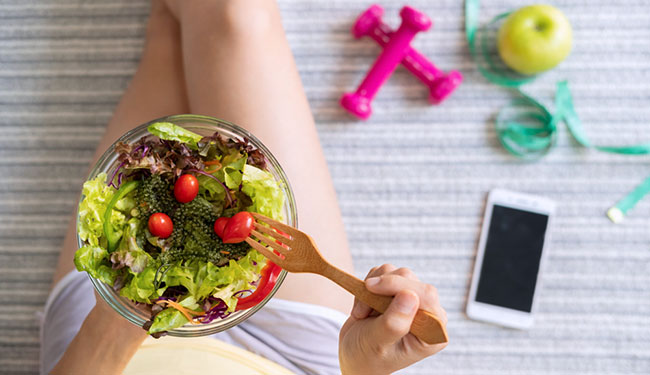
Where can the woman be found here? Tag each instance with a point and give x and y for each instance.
(230, 59)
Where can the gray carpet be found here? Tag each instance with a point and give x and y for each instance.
(411, 181)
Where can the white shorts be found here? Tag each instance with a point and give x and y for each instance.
(299, 336)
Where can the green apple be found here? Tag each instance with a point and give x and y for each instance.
(534, 39)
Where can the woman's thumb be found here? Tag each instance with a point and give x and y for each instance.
(396, 321)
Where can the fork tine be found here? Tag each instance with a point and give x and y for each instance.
(269, 242)
(264, 251)
(284, 227)
(266, 230)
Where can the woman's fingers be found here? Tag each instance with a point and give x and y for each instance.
(383, 269)
(395, 322)
(406, 272)
(390, 280)
(359, 309)
(391, 284)
(385, 330)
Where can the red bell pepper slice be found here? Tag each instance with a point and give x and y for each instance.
(268, 277)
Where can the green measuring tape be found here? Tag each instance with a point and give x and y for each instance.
(525, 127)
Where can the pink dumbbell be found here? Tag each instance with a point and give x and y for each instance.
(441, 85)
(358, 103)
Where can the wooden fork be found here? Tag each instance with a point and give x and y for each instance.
(298, 253)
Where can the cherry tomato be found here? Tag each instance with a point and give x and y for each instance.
(160, 225)
(220, 225)
(186, 188)
(238, 227)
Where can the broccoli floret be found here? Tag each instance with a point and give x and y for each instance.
(156, 195)
(193, 237)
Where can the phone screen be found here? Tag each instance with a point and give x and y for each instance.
(511, 259)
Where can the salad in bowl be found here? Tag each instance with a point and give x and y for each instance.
(162, 222)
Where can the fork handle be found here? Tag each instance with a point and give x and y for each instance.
(426, 326)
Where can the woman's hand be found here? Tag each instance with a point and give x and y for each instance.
(104, 344)
(370, 343)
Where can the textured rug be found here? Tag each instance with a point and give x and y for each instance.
(411, 181)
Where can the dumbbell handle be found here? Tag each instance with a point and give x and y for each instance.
(414, 61)
(393, 52)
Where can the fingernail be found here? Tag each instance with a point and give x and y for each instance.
(405, 303)
(372, 281)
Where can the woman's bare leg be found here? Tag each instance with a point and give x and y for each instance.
(238, 67)
(157, 89)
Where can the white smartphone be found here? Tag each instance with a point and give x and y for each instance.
(511, 251)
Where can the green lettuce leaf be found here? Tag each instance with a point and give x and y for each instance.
(182, 275)
(211, 189)
(166, 320)
(106, 274)
(126, 204)
(238, 275)
(96, 195)
(140, 287)
(128, 252)
(171, 318)
(94, 260)
(172, 132)
(88, 258)
(231, 173)
(189, 302)
(203, 279)
(265, 192)
(115, 222)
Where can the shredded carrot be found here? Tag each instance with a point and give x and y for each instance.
(216, 163)
(224, 252)
(178, 306)
(186, 312)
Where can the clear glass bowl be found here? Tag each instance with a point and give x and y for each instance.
(203, 125)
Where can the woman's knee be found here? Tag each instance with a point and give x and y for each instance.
(241, 19)
(248, 18)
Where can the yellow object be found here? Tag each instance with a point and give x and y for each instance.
(534, 39)
(201, 355)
